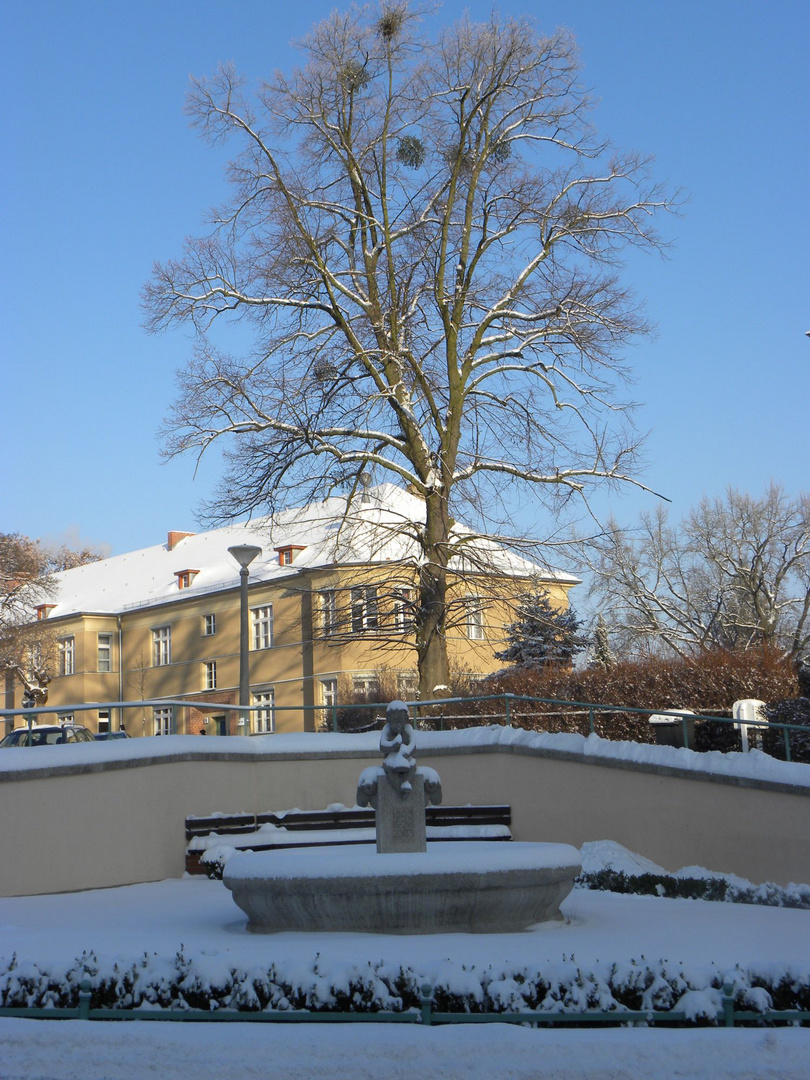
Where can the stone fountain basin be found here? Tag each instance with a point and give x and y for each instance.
(469, 887)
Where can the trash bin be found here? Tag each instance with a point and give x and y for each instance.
(668, 729)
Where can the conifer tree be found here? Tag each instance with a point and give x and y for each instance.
(542, 633)
(601, 652)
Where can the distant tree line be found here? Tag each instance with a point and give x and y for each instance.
(733, 574)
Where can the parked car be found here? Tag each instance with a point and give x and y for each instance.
(47, 735)
(103, 736)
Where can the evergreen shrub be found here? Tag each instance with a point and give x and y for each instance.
(792, 711)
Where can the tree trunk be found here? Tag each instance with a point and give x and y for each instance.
(431, 618)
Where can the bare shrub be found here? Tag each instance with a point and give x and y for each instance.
(707, 684)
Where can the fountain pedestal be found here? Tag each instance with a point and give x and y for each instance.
(454, 887)
(406, 885)
(400, 819)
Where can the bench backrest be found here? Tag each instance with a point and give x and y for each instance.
(345, 818)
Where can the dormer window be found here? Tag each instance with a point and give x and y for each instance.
(44, 610)
(288, 554)
(185, 578)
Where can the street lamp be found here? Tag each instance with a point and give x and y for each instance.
(244, 554)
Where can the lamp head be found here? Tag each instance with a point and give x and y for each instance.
(244, 554)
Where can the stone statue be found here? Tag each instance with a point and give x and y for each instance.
(399, 791)
(397, 746)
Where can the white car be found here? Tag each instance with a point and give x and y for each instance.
(47, 735)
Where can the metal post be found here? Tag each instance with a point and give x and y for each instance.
(426, 1003)
(244, 659)
(590, 721)
(787, 745)
(84, 999)
(508, 711)
(728, 1002)
(244, 554)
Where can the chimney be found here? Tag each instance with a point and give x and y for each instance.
(174, 539)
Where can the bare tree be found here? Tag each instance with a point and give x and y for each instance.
(734, 574)
(423, 238)
(27, 580)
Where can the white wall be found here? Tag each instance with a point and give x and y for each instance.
(123, 822)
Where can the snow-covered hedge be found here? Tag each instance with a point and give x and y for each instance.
(182, 982)
(713, 887)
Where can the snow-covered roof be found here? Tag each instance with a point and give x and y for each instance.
(375, 534)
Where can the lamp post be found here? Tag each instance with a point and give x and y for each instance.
(244, 554)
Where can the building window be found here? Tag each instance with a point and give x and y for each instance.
(288, 553)
(210, 675)
(34, 657)
(185, 578)
(67, 656)
(265, 718)
(329, 700)
(475, 618)
(329, 692)
(64, 718)
(262, 618)
(105, 652)
(366, 686)
(163, 720)
(209, 625)
(403, 611)
(329, 618)
(103, 719)
(161, 646)
(407, 685)
(364, 609)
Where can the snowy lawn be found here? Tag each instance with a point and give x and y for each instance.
(32, 1050)
(122, 924)
(151, 923)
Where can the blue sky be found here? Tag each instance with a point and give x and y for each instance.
(101, 175)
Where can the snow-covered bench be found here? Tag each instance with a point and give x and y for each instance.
(337, 825)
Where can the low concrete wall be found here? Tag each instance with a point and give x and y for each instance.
(117, 823)
(758, 830)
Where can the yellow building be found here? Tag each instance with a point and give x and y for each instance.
(329, 616)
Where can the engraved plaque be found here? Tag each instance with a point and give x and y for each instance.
(403, 824)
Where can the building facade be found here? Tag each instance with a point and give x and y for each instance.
(330, 615)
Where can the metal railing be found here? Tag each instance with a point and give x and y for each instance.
(516, 710)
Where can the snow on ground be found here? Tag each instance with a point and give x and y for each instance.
(76, 1050)
(199, 914)
(122, 924)
(599, 855)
